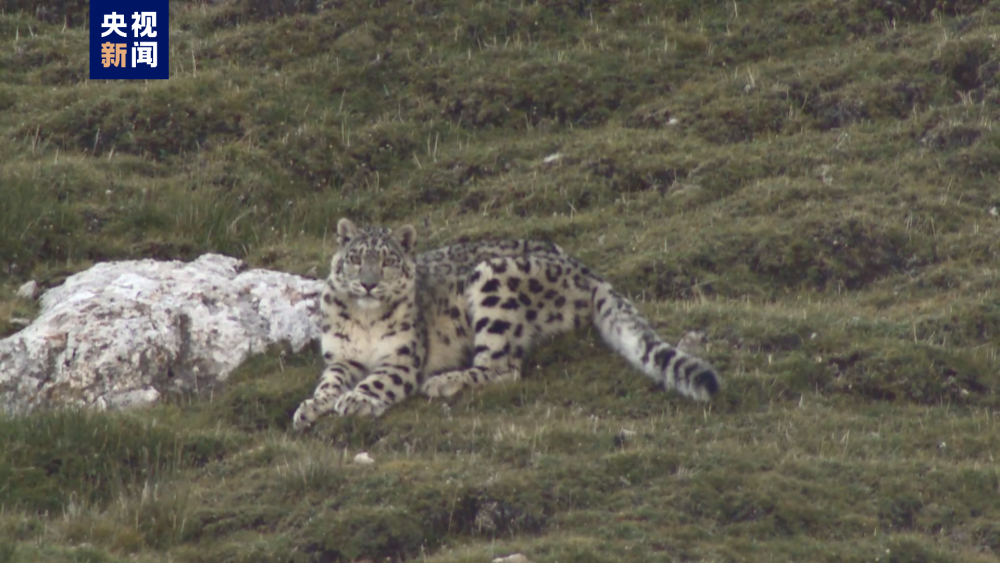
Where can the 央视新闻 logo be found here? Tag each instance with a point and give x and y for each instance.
(129, 40)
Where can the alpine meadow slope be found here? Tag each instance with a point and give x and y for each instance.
(812, 184)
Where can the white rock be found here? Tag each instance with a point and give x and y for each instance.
(516, 558)
(364, 459)
(122, 333)
(28, 290)
(691, 342)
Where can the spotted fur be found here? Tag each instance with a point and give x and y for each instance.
(395, 322)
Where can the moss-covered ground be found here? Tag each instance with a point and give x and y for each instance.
(816, 185)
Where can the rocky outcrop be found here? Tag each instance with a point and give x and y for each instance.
(122, 334)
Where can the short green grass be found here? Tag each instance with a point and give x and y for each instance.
(813, 184)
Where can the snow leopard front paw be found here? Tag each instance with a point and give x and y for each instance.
(305, 415)
(355, 403)
(442, 386)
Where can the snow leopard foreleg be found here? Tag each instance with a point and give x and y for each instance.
(338, 377)
(392, 380)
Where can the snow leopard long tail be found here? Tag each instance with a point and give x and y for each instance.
(625, 330)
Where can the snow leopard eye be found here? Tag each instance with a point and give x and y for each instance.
(390, 262)
(355, 259)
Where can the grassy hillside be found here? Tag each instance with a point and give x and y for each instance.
(816, 185)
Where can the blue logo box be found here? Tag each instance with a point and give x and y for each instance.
(129, 39)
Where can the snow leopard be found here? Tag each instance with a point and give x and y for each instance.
(396, 322)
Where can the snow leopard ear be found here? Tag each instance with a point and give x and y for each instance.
(346, 230)
(406, 236)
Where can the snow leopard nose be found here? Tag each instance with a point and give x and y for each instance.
(368, 286)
